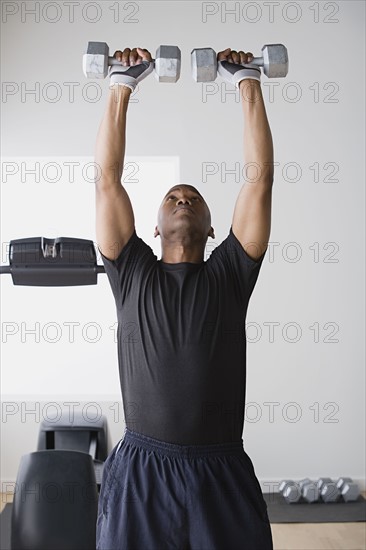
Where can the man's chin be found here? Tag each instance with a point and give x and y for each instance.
(183, 229)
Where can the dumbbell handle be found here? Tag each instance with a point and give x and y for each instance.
(114, 61)
(256, 61)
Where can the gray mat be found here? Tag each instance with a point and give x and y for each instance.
(317, 512)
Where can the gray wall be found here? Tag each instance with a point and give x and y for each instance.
(305, 393)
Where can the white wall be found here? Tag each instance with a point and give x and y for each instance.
(312, 276)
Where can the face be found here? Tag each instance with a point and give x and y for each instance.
(184, 210)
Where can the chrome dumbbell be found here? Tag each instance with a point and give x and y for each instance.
(293, 491)
(274, 62)
(97, 60)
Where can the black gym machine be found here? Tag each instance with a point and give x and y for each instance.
(64, 261)
(56, 492)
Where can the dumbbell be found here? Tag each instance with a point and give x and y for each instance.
(274, 61)
(331, 491)
(97, 60)
(328, 489)
(348, 489)
(292, 492)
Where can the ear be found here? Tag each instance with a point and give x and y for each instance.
(212, 233)
(156, 232)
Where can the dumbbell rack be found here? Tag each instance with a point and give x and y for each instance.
(279, 511)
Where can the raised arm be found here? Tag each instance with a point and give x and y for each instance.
(115, 220)
(252, 214)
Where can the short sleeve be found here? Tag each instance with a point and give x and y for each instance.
(239, 270)
(128, 269)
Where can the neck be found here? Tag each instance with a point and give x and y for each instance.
(174, 252)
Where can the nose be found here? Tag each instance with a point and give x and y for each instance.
(184, 200)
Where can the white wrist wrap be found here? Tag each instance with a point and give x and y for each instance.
(235, 73)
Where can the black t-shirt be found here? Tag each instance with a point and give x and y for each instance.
(182, 341)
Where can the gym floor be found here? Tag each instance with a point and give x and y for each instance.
(304, 536)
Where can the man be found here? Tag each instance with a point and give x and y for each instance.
(180, 478)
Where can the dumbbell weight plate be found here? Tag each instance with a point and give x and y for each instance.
(342, 481)
(275, 60)
(350, 492)
(304, 481)
(167, 63)
(310, 492)
(329, 492)
(292, 493)
(322, 480)
(95, 61)
(284, 484)
(204, 64)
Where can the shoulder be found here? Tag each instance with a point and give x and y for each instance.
(134, 251)
(230, 249)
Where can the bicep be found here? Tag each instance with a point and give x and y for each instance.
(115, 220)
(252, 218)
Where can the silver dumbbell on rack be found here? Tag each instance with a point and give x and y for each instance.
(97, 60)
(293, 491)
(333, 491)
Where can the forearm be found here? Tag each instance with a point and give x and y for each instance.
(258, 145)
(111, 138)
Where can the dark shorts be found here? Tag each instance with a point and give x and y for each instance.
(161, 496)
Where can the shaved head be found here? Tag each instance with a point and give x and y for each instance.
(186, 231)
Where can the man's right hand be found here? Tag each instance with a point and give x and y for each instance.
(136, 65)
(230, 66)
